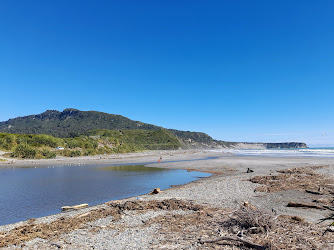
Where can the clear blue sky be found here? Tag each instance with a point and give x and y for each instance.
(237, 70)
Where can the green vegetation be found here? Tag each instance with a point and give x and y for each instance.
(136, 140)
(198, 140)
(24, 151)
(91, 143)
(71, 128)
(71, 153)
(48, 154)
(70, 123)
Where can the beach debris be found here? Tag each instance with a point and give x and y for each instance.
(56, 245)
(254, 220)
(322, 200)
(74, 207)
(313, 192)
(186, 228)
(248, 205)
(155, 191)
(249, 170)
(303, 179)
(31, 220)
(329, 229)
(116, 209)
(293, 218)
(231, 238)
(296, 204)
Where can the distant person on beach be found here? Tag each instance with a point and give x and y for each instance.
(159, 161)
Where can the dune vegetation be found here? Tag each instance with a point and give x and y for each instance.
(94, 142)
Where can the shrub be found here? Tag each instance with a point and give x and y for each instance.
(89, 152)
(24, 151)
(73, 143)
(48, 154)
(4, 144)
(90, 144)
(126, 148)
(65, 152)
(101, 151)
(70, 153)
(108, 150)
(39, 140)
(75, 153)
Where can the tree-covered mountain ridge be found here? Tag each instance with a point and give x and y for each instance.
(73, 123)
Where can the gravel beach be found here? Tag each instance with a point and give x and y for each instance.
(162, 220)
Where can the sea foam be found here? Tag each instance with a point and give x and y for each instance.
(309, 152)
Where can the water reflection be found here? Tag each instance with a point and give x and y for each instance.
(132, 168)
(35, 192)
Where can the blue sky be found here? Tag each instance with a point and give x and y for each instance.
(237, 70)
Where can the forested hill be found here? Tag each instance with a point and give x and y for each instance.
(73, 123)
(70, 123)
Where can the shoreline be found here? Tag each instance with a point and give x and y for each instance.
(152, 156)
(227, 188)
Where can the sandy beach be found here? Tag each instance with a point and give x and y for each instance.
(183, 217)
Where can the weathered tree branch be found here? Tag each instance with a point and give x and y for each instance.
(246, 242)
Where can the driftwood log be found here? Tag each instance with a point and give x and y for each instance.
(74, 207)
(313, 192)
(295, 204)
(230, 238)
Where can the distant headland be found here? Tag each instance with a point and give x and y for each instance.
(112, 131)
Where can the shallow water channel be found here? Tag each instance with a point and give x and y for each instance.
(34, 192)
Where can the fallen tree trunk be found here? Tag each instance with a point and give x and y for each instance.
(313, 192)
(230, 238)
(75, 207)
(295, 204)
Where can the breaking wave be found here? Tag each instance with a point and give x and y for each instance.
(305, 152)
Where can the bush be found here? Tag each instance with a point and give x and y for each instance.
(75, 153)
(65, 152)
(47, 140)
(24, 151)
(73, 143)
(48, 154)
(101, 151)
(89, 152)
(126, 148)
(90, 144)
(4, 144)
(108, 150)
(70, 153)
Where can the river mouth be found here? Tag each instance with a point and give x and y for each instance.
(27, 193)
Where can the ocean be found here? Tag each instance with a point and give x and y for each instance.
(295, 152)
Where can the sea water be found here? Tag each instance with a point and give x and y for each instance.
(295, 152)
(34, 192)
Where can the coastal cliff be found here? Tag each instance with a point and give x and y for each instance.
(272, 145)
(202, 140)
